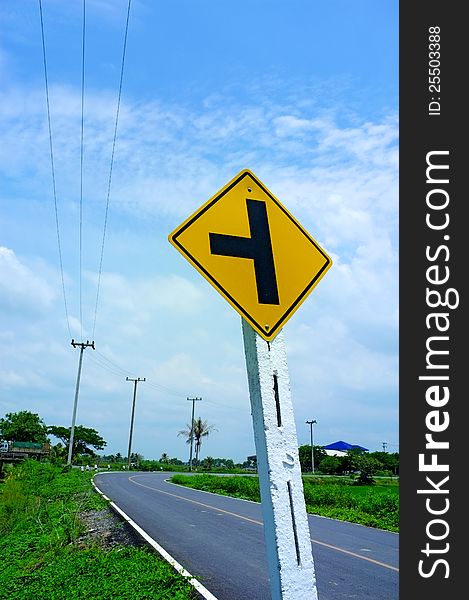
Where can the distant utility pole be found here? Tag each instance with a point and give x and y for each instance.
(193, 400)
(310, 423)
(385, 446)
(132, 417)
(82, 346)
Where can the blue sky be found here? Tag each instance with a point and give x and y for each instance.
(303, 93)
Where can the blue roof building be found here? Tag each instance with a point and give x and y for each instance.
(340, 448)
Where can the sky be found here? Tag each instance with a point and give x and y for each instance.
(304, 93)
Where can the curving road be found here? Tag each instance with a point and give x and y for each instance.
(220, 541)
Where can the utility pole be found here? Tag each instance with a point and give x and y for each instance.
(193, 400)
(286, 531)
(82, 346)
(310, 423)
(132, 417)
(385, 446)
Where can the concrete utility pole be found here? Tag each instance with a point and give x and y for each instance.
(82, 346)
(193, 400)
(286, 529)
(132, 417)
(310, 423)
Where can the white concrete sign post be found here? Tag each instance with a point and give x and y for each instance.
(254, 252)
(286, 530)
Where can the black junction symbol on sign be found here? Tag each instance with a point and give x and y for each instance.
(258, 247)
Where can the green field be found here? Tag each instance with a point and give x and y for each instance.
(43, 552)
(335, 497)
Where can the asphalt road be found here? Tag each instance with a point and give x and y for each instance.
(220, 541)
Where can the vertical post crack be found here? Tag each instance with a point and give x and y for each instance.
(295, 532)
(277, 400)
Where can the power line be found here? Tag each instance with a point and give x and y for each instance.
(221, 405)
(82, 152)
(53, 168)
(80, 234)
(106, 367)
(111, 166)
(158, 386)
(112, 367)
(116, 369)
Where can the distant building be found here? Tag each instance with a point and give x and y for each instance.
(340, 448)
(250, 463)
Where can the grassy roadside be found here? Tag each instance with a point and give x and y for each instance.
(45, 555)
(374, 506)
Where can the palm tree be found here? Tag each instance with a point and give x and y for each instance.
(199, 430)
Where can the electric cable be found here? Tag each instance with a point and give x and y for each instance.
(82, 152)
(54, 188)
(80, 234)
(111, 167)
(121, 372)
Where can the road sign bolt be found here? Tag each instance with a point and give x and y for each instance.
(267, 327)
(249, 190)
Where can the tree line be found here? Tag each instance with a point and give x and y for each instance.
(364, 464)
(25, 426)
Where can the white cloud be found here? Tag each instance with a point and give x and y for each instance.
(21, 289)
(289, 125)
(142, 298)
(329, 346)
(156, 317)
(12, 379)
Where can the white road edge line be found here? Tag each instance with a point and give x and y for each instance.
(172, 561)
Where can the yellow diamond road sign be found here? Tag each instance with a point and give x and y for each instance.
(253, 251)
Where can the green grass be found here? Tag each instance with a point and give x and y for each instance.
(374, 506)
(40, 525)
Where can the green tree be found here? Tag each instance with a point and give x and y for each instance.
(365, 465)
(136, 459)
(304, 453)
(223, 463)
(208, 463)
(201, 429)
(84, 439)
(388, 461)
(197, 432)
(330, 465)
(23, 426)
(58, 454)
